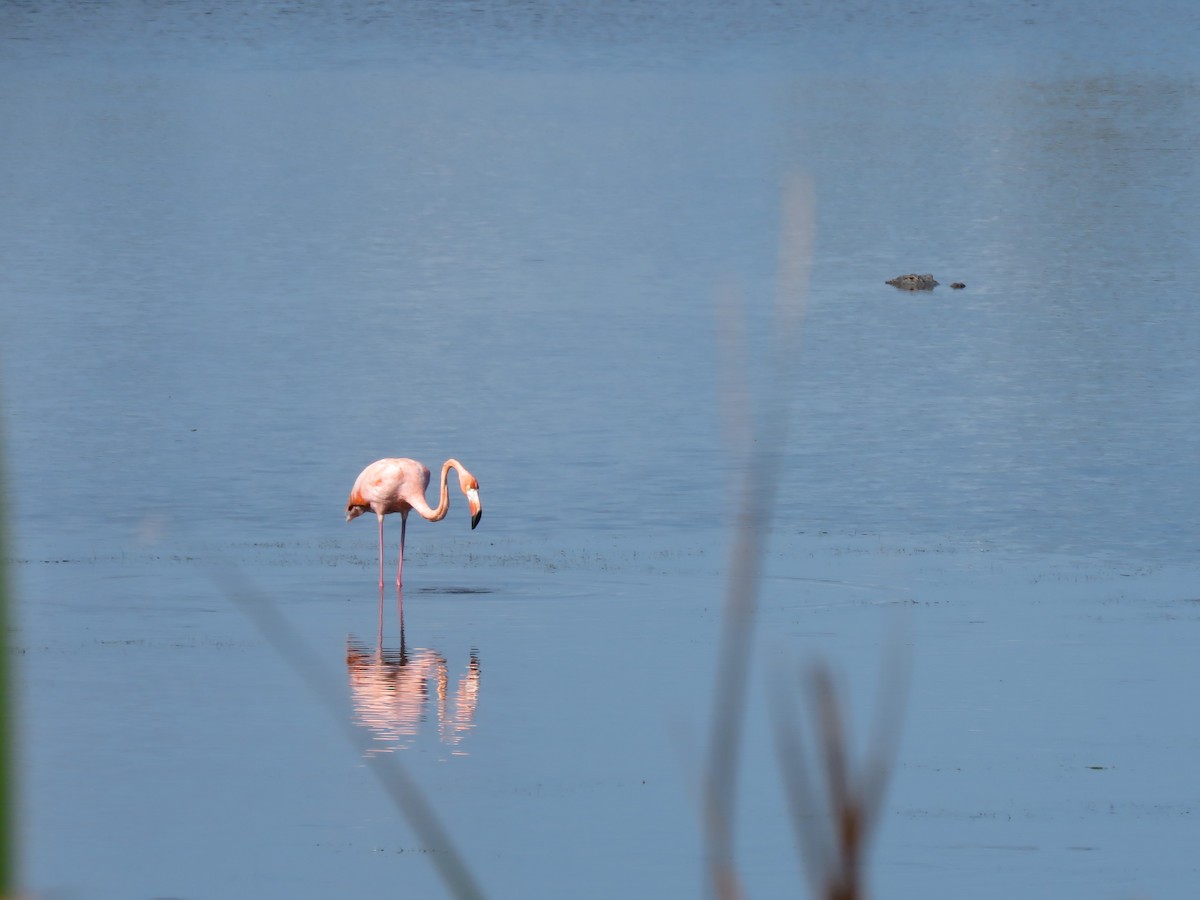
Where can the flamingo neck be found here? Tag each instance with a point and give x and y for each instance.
(443, 507)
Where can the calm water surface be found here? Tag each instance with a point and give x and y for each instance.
(243, 255)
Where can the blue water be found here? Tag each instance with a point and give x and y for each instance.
(246, 252)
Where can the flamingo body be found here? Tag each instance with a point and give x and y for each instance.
(398, 485)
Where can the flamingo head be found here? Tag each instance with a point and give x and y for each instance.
(470, 487)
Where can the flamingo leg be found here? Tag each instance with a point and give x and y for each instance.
(400, 565)
(380, 551)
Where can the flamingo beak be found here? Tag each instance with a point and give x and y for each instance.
(476, 506)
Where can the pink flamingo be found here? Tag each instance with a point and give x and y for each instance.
(398, 485)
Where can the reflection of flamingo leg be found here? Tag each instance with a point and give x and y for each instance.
(379, 643)
(400, 612)
(395, 691)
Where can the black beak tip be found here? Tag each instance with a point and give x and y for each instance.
(475, 519)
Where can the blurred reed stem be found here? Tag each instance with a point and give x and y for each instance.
(8, 708)
(391, 774)
(760, 451)
(836, 812)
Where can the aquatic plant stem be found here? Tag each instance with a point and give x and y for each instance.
(833, 827)
(388, 771)
(8, 717)
(762, 461)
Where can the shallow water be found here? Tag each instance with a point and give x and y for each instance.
(245, 255)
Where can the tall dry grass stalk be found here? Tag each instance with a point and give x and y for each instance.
(833, 827)
(8, 712)
(760, 448)
(392, 776)
(832, 833)
(835, 807)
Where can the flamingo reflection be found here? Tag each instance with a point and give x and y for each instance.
(393, 690)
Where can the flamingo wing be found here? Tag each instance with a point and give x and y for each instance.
(387, 486)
